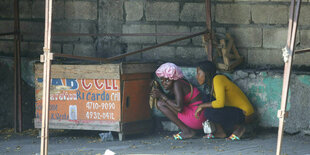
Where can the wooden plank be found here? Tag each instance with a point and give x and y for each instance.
(138, 68)
(80, 125)
(138, 76)
(225, 52)
(222, 66)
(106, 71)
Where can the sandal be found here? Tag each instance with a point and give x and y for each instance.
(209, 136)
(233, 137)
(178, 136)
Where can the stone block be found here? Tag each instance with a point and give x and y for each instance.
(185, 53)
(276, 38)
(67, 49)
(34, 30)
(81, 10)
(5, 27)
(84, 50)
(32, 49)
(247, 37)
(164, 53)
(193, 12)
(56, 48)
(305, 38)
(190, 55)
(111, 16)
(89, 28)
(172, 29)
(302, 59)
(162, 11)
(25, 9)
(233, 13)
(136, 57)
(198, 39)
(270, 14)
(263, 57)
(7, 48)
(38, 9)
(139, 29)
(7, 9)
(109, 46)
(58, 9)
(134, 10)
(65, 27)
(304, 18)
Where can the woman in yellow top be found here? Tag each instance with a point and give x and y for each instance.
(230, 109)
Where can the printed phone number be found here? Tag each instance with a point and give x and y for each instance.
(98, 115)
(103, 106)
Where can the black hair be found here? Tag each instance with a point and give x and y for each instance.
(208, 67)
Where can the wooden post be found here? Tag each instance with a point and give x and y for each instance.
(46, 59)
(292, 28)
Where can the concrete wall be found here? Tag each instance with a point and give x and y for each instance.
(258, 26)
(264, 90)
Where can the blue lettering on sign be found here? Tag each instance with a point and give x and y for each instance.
(72, 83)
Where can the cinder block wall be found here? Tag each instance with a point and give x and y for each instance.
(258, 26)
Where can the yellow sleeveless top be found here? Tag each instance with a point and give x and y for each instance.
(229, 94)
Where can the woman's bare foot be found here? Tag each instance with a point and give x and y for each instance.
(187, 134)
(240, 130)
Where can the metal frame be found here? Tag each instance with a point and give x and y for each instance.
(48, 56)
(17, 108)
(289, 49)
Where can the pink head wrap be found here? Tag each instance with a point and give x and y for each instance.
(169, 70)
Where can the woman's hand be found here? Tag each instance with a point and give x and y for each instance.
(156, 93)
(198, 111)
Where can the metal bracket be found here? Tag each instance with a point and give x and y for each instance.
(286, 53)
(282, 114)
(43, 57)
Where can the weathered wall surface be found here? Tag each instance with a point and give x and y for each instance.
(258, 26)
(264, 90)
(7, 94)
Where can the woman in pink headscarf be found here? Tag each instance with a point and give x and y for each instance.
(181, 102)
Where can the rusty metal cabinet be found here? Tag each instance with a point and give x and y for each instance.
(108, 97)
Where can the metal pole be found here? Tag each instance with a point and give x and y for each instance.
(287, 69)
(130, 53)
(46, 59)
(209, 38)
(17, 73)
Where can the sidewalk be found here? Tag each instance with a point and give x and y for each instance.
(64, 142)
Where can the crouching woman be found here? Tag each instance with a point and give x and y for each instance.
(180, 104)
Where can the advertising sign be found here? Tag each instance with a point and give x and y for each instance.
(81, 99)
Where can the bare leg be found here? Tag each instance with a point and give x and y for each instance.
(187, 132)
(219, 132)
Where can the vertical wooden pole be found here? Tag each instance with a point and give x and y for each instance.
(209, 38)
(46, 59)
(292, 29)
(17, 73)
